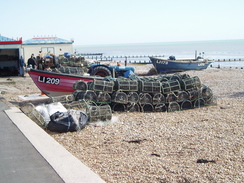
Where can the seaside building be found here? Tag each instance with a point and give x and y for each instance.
(10, 51)
(46, 45)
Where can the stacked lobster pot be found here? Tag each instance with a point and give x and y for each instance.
(150, 94)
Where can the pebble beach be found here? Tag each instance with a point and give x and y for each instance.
(196, 145)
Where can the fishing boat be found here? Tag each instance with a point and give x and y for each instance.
(57, 84)
(178, 65)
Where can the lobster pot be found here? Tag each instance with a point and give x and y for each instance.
(104, 86)
(206, 94)
(171, 97)
(150, 87)
(133, 97)
(170, 86)
(191, 83)
(175, 77)
(147, 108)
(162, 78)
(62, 69)
(80, 85)
(117, 107)
(186, 105)
(194, 94)
(182, 96)
(103, 97)
(199, 103)
(158, 98)
(133, 107)
(196, 81)
(160, 108)
(119, 97)
(99, 113)
(63, 98)
(73, 70)
(67, 70)
(173, 106)
(126, 85)
(145, 98)
(85, 95)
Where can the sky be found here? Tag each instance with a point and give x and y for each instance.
(96, 22)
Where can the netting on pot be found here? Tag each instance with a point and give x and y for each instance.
(158, 98)
(194, 94)
(117, 107)
(171, 97)
(119, 97)
(147, 107)
(199, 103)
(160, 108)
(87, 95)
(170, 86)
(133, 107)
(186, 105)
(103, 97)
(99, 113)
(192, 83)
(145, 98)
(124, 84)
(133, 97)
(182, 96)
(206, 94)
(173, 106)
(150, 86)
(100, 85)
(80, 85)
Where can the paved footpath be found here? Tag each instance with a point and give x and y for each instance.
(29, 154)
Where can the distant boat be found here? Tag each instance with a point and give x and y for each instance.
(178, 65)
(57, 84)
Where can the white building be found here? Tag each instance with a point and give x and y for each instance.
(46, 45)
(10, 51)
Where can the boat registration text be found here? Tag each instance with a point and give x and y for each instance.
(162, 62)
(48, 80)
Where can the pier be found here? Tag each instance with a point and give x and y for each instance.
(140, 59)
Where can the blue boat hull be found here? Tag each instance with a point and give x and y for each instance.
(168, 66)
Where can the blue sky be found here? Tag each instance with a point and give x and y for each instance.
(92, 22)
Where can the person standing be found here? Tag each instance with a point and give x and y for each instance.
(22, 66)
(32, 62)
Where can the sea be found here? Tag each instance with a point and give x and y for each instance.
(224, 53)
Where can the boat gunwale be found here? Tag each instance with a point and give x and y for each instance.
(63, 74)
(183, 60)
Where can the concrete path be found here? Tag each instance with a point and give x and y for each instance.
(29, 154)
